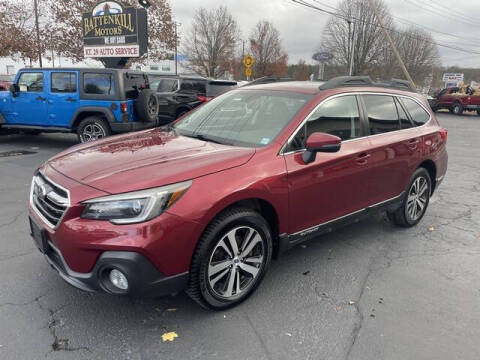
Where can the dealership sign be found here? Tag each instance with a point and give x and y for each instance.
(453, 77)
(114, 30)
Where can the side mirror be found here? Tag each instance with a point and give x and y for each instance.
(320, 142)
(14, 89)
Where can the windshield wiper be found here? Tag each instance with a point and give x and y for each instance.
(206, 138)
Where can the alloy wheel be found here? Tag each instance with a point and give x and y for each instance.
(236, 262)
(93, 132)
(417, 198)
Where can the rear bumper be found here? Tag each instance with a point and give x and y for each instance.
(143, 278)
(130, 126)
(472, 107)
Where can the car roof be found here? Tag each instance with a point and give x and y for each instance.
(83, 69)
(306, 87)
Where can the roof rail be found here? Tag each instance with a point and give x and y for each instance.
(366, 81)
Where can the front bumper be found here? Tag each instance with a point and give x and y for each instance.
(143, 278)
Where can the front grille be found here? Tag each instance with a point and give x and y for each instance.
(49, 200)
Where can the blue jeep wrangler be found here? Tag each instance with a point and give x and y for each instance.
(94, 103)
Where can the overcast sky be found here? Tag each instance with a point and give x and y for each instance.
(301, 28)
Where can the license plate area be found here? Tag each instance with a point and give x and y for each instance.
(39, 236)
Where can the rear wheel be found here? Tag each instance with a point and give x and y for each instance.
(457, 109)
(416, 200)
(478, 112)
(231, 259)
(93, 128)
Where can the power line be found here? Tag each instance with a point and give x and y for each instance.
(454, 11)
(452, 47)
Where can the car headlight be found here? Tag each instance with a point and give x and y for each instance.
(134, 207)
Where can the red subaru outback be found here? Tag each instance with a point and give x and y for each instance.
(204, 204)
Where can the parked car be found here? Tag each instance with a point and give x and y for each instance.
(178, 95)
(204, 203)
(456, 102)
(94, 103)
(6, 81)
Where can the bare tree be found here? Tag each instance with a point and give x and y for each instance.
(67, 27)
(210, 44)
(370, 41)
(18, 24)
(266, 48)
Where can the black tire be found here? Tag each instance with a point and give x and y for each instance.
(402, 216)
(240, 222)
(478, 112)
(93, 128)
(147, 106)
(457, 109)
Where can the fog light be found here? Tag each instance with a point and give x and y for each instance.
(118, 279)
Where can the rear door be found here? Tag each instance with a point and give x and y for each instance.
(395, 147)
(30, 105)
(63, 100)
(332, 185)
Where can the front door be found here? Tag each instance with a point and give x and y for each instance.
(332, 185)
(63, 100)
(29, 106)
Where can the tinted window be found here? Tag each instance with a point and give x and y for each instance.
(418, 114)
(405, 122)
(31, 82)
(195, 86)
(244, 117)
(215, 88)
(167, 85)
(133, 83)
(64, 82)
(338, 116)
(382, 113)
(98, 84)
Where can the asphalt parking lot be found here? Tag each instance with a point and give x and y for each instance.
(368, 291)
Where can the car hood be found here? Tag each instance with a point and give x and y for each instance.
(146, 159)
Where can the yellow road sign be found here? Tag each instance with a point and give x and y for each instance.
(248, 71)
(248, 60)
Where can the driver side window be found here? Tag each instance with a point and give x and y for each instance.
(338, 116)
(31, 82)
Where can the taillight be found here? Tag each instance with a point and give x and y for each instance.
(124, 107)
(204, 98)
(469, 99)
(443, 134)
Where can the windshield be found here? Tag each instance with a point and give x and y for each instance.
(250, 118)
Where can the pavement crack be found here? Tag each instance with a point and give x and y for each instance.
(15, 219)
(258, 335)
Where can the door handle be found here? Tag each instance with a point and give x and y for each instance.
(362, 159)
(70, 99)
(41, 98)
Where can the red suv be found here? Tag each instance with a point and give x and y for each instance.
(203, 204)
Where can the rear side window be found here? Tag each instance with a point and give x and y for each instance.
(215, 88)
(167, 85)
(419, 115)
(133, 83)
(338, 116)
(101, 84)
(193, 86)
(382, 113)
(63, 82)
(31, 82)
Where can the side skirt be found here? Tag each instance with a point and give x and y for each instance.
(287, 241)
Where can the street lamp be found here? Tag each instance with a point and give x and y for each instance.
(145, 3)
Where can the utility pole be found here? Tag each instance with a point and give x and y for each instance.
(397, 54)
(176, 50)
(38, 33)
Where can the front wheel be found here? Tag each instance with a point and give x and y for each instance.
(231, 259)
(92, 128)
(415, 202)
